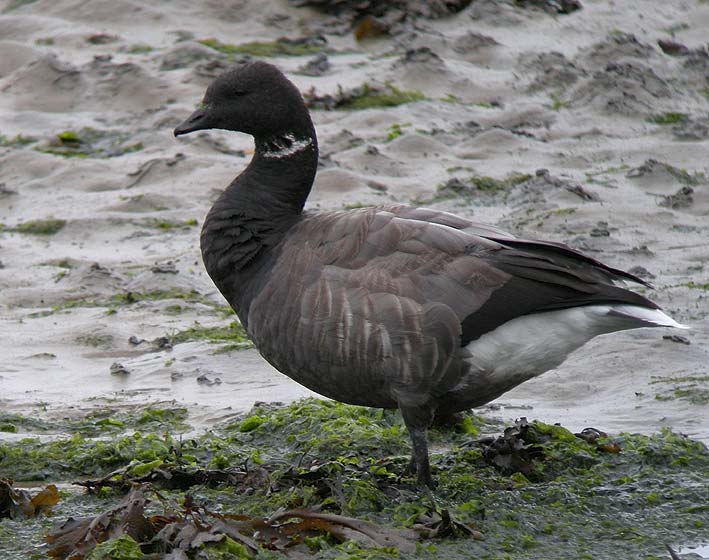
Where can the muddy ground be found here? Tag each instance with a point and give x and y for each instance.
(589, 128)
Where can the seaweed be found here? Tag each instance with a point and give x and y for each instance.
(18, 503)
(89, 142)
(168, 225)
(279, 47)
(123, 299)
(693, 389)
(95, 339)
(16, 141)
(395, 130)
(668, 118)
(392, 96)
(101, 39)
(311, 476)
(475, 188)
(557, 103)
(232, 335)
(652, 166)
(366, 96)
(103, 422)
(48, 226)
(140, 49)
(704, 286)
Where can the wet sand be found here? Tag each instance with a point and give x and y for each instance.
(620, 126)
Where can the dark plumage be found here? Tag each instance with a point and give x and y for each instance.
(393, 307)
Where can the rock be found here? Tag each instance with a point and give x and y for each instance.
(681, 199)
(316, 66)
(641, 272)
(166, 268)
(119, 369)
(677, 338)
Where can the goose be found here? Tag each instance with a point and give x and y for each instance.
(393, 307)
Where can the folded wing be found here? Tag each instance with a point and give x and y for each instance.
(389, 296)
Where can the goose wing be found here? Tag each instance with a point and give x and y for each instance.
(556, 251)
(391, 300)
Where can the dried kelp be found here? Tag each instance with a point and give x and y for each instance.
(76, 538)
(194, 527)
(15, 502)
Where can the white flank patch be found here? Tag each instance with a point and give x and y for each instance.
(654, 316)
(287, 146)
(530, 345)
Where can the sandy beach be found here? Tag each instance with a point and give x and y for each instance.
(589, 128)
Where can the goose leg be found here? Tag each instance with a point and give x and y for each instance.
(417, 420)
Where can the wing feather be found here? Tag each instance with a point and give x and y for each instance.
(388, 296)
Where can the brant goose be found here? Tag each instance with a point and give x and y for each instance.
(392, 307)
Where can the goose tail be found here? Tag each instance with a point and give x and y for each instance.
(649, 317)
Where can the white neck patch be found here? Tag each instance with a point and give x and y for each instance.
(285, 146)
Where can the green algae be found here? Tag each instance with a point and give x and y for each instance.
(103, 422)
(16, 141)
(33, 459)
(68, 137)
(124, 299)
(681, 175)
(668, 118)
(174, 417)
(451, 98)
(98, 340)
(687, 178)
(167, 225)
(556, 101)
(101, 39)
(484, 183)
(548, 494)
(324, 427)
(395, 130)
(175, 309)
(232, 335)
(475, 188)
(704, 286)
(89, 142)
(279, 47)
(608, 170)
(227, 549)
(140, 49)
(368, 97)
(48, 226)
(129, 298)
(121, 548)
(20, 421)
(692, 393)
(250, 423)
(600, 177)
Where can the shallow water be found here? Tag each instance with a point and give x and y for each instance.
(75, 385)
